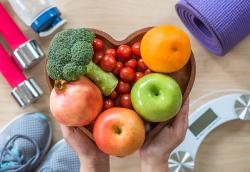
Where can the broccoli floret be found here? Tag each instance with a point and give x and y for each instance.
(70, 70)
(82, 70)
(54, 69)
(85, 35)
(70, 48)
(63, 54)
(82, 52)
(70, 56)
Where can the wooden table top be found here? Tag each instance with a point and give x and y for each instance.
(225, 149)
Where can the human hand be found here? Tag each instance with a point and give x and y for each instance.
(155, 153)
(91, 158)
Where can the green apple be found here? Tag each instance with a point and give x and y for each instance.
(156, 97)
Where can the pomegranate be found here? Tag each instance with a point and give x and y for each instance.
(76, 103)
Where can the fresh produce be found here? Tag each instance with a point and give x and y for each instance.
(119, 131)
(107, 82)
(123, 87)
(124, 52)
(111, 51)
(70, 56)
(114, 95)
(76, 57)
(98, 44)
(97, 57)
(131, 63)
(117, 69)
(108, 62)
(76, 103)
(62, 61)
(147, 71)
(125, 101)
(129, 68)
(165, 49)
(127, 74)
(136, 49)
(141, 65)
(156, 97)
(138, 75)
(108, 103)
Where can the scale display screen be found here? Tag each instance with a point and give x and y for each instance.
(202, 122)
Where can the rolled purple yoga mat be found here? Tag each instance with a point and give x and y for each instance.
(218, 24)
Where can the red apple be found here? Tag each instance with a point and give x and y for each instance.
(76, 103)
(119, 131)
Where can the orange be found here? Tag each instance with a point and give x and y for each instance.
(165, 49)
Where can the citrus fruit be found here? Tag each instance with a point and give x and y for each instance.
(165, 49)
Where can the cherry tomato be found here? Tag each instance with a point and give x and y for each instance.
(138, 75)
(131, 63)
(117, 102)
(123, 87)
(147, 71)
(114, 95)
(127, 74)
(124, 52)
(111, 51)
(117, 68)
(108, 62)
(98, 44)
(141, 65)
(97, 57)
(136, 49)
(125, 101)
(108, 103)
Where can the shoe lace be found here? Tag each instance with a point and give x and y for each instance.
(11, 160)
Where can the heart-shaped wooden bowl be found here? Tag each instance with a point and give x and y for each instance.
(185, 77)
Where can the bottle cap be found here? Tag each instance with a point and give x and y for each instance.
(28, 54)
(27, 92)
(47, 22)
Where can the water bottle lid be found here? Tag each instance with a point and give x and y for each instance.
(47, 20)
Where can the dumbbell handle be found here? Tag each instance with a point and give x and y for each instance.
(9, 70)
(9, 30)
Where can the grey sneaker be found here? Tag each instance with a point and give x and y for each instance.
(60, 158)
(24, 142)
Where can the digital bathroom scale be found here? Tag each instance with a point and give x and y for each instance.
(202, 121)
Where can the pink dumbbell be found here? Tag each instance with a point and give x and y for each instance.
(25, 91)
(26, 52)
